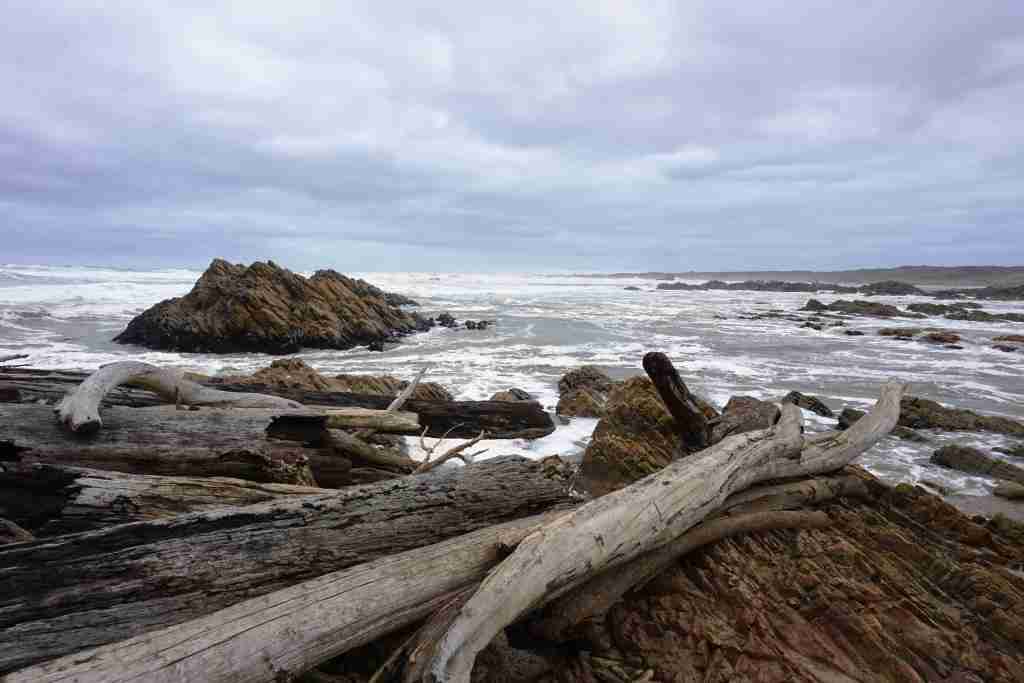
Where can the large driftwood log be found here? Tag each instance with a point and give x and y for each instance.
(622, 525)
(77, 591)
(167, 442)
(80, 409)
(277, 636)
(56, 499)
(457, 419)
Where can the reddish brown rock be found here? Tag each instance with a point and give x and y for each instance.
(583, 392)
(744, 414)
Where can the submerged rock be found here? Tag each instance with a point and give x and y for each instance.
(974, 461)
(811, 403)
(923, 413)
(447, 320)
(1016, 451)
(266, 308)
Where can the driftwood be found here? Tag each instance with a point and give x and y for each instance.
(625, 524)
(458, 419)
(277, 636)
(690, 422)
(167, 442)
(72, 592)
(13, 356)
(80, 409)
(759, 508)
(56, 499)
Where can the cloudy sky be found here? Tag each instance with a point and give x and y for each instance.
(513, 135)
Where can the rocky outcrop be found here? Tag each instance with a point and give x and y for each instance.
(744, 414)
(294, 373)
(811, 403)
(635, 437)
(872, 309)
(922, 413)
(1010, 490)
(978, 316)
(940, 309)
(266, 308)
(512, 394)
(974, 461)
(891, 288)
(814, 305)
(1016, 451)
(583, 392)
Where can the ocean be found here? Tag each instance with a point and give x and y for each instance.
(65, 317)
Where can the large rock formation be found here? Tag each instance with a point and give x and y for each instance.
(583, 392)
(264, 307)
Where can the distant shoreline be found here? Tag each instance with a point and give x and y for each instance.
(959, 276)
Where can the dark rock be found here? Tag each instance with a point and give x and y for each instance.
(586, 377)
(813, 326)
(512, 395)
(9, 394)
(1006, 348)
(890, 288)
(12, 533)
(375, 346)
(762, 286)
(905, 332)
(1014, 338)
(744, 414)
(940, 309)
(266, 308)
(922, 413)
(1016, 451)
(942, 337)
(984, 317)
(478, 324)
(636, 437)
(953, 347)
(811, 403)
(814, 305)
(631, 288)
(1009, 489)
(853, 333)
(583, 392)
(848, 416)
(870, 308)
(447, 320)
(973, 461)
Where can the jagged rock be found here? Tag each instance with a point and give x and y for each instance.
(583, 392)
(512, 394)
(1016, 451)
(266, 308)
(581, 403)
(811, 403)
(922, 413)
(897, 590)
(973, 461)
(296, 374)
(1010, 490)
(814, 305)
(813, 326)
(891, 288)
(744, 414)
(635, 437)
(447, 320)
(478, 324)
(870, 308)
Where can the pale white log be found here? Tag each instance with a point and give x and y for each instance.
(79, 410)
(644, 516)
(277, 636)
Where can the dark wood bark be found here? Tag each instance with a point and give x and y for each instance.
(77, 591)
(500, 419)
(167, 442)
(57, 499)
(691, 423)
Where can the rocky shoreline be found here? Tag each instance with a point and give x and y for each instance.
(884, 288)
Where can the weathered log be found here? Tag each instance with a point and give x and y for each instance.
(363, 453)
(399, 401)
(624, 524)
(72, 592)
(690, 422)
(13, 356)
(79, 411)
(758, 508)
(501, 419)
(167, 442)
(57, 499)
(277, 636)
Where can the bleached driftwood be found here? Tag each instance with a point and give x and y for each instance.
(622, 525)
(76, 591)
(80, 409)
(277, 636)
(457, 451)
(399, 401)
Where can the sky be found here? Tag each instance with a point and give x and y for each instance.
(479, 136)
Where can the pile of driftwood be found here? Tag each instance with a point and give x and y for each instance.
(198, 544)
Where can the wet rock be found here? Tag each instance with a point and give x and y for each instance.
(266, 308)
(631, 288)
(1016, 451)
(375, 346)
(478, 324)
(984, 317)
(953, 347)
(853, 333)
(447, 320)
(1013, 338)
(811, 403)
(974, 461)
(583, 392)
(891, 288)
(942, 337)
(814, 305)
(1005, 348)
(636, 437)
(922, 413)
(744, 414)
(870, 308)
(813, 326)
(1010, 490)
(581, 403)
(388, 385)
(940, 309)
(586, 377)
(512, 395)
(905, 332)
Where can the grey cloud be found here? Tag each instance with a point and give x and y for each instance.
(547, 135)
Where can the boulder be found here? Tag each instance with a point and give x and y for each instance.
(581, 403)
(891, 288)
(942, 337)
(922, 413)
(984, 317)
(266, 308)
(814, 305)
(870, 308)
(811, 403)
(1005, 348)
(940, 309)
(1013, 338)
(631, 288)
(974, 461)
(586, 377)
(1010, 490)
(636, 437)
(478, 324)
(512, 394)
(447, 320)
(388, 385)
(744, 414)
(905, 332)
(1016, 451)
(853, 333)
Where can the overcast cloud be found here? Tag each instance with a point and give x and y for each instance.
(548, 135)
